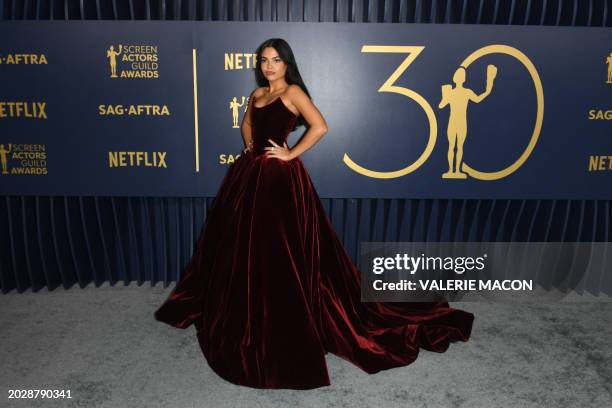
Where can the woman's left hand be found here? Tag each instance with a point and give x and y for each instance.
(280, 152)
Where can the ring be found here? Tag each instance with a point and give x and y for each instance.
(273, 148)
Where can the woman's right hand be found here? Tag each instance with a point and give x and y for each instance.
(249, 147)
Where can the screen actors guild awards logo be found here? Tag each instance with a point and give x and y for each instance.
(458, 99)
(3, 158)
(111, 54)
(23, 159)
(233, 106)
(131, 61)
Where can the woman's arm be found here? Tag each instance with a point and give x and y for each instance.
(318, 125)
(245, 127)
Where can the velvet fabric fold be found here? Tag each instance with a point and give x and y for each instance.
(270, 288)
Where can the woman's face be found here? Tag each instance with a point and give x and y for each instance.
(272, 66)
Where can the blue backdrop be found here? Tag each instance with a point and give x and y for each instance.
(166, 121)
(73, 241)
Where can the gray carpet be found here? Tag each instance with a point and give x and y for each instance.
(104, 345)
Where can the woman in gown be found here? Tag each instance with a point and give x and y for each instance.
(270, 288)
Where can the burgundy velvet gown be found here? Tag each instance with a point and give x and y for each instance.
(270, 288)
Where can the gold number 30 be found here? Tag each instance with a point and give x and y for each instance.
(413, 52)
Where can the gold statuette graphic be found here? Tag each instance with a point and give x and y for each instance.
(609, 62)
(3, 154)
(234, 105)
(458, 99)
(111, 54)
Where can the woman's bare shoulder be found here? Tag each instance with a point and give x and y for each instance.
(257, 92)
(296, 90)
(296, 95)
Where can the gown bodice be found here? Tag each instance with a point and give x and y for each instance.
(272, 121)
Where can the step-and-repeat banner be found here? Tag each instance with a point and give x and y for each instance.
(419, 111)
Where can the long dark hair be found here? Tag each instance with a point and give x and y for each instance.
(292, 75)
